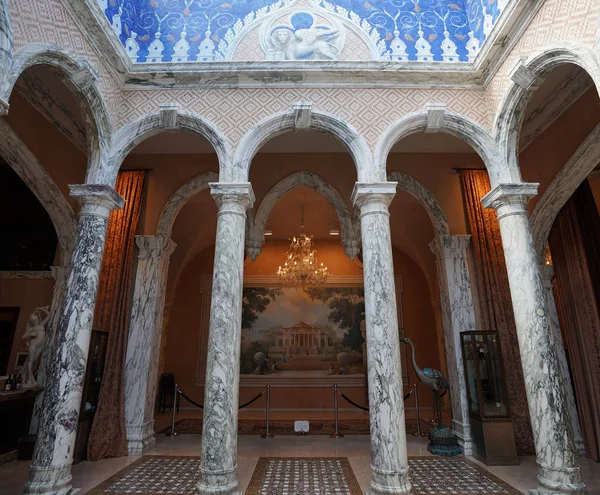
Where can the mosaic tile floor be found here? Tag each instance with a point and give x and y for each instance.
(177, 475)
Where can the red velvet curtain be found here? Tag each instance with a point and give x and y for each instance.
(495, 302)
(575, 247)
(108, 437)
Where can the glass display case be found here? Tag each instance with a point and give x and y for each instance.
(485, 378)
(491, 425)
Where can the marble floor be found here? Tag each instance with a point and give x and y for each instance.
(87, 475)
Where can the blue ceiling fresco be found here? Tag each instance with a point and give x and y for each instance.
(154, 31)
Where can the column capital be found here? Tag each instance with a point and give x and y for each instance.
(373, 192)
(450, 246)
(233, 192)
(510, 199)
(547, 273)
(154, 246)
(4, 107)
(96, 199)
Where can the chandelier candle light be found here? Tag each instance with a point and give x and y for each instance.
(301, 266)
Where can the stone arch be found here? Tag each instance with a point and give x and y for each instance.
(256, 237)
(83, 77)
(168, 118)
(569, 178)
(526, 77)
(302, 117)
(6, 51)
(34, 175)
(180, 198)
(438, 118)
(422, 194)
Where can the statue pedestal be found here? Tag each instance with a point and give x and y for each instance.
(443, 442)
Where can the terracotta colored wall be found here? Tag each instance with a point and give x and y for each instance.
(184, 337)
(28, 295)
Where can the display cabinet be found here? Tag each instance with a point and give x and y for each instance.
(491, 424)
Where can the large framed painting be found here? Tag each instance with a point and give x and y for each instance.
(300, 336)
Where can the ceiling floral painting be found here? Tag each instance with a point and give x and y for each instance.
(182, 31)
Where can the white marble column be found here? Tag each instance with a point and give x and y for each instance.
(219, 429)
(459, 316)
(558, 468)
(144, 339)
(50, 471)
(59, 273)
(389, 460)
(547, 272)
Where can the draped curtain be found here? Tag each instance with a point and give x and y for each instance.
(575, 247)
(108, 436)
(495, 302)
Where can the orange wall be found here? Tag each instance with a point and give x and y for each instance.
(184, 339)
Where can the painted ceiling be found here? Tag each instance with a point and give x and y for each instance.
(181, 31)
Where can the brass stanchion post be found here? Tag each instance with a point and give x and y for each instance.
(268, 433)
(172, 432)
(418, 433)
(336, 433)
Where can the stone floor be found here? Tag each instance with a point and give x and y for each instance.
(87, 475)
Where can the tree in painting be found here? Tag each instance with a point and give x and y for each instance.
(255, 300)
(346, 305)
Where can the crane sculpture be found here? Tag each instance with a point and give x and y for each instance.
(442, 440)
(433, 378)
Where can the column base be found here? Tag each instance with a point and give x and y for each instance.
(463, 433)
(563, 481)
(389, 483)
(49, 481)
(218, 483)
(140, 439)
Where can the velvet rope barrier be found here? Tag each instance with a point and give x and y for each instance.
(366, 408)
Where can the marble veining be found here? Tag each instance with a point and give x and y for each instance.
(458, 316)
(219, 429)
(559, 470)
(389, 459)
(547, 273)
(50, 471)
(143, 344)
(256, 234)
(6, 49)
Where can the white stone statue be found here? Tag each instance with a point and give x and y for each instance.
(35, 334)
(316, 41)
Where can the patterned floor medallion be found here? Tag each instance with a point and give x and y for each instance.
(177, 475)
(303, 476)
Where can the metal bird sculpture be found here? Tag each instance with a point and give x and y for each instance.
(432, 378)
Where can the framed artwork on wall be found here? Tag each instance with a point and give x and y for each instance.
(20, 360)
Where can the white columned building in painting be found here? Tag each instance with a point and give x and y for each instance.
(154, 158)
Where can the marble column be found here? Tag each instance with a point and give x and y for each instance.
(547, 272)
(144, 339)
(59, 274)
(219, 429)
(389, 460)
(50, 471)
(458, 316)
(558, 468)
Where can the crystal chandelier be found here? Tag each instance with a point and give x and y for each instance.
(301, 266)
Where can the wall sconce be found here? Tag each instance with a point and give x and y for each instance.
(334, 230)
(268, 230)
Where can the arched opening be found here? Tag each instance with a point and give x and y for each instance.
(563, 157)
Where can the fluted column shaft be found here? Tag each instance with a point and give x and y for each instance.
(547, 272)
(558, 469)
(59, 273)
(219, 429)
(143, 344)
(50, 471)
(389, 460)
(459, 316)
